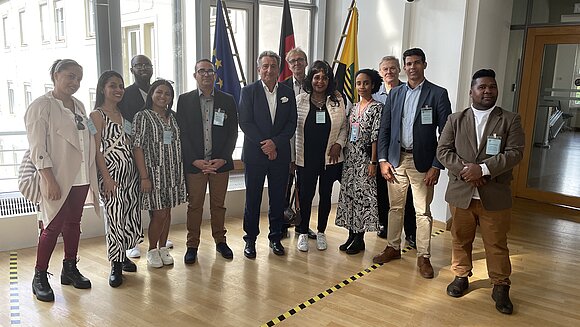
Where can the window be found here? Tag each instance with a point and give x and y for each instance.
(90, 17)
(59, 21)
(48, 88)
(92, 98)
(44, 23)
(22, 27)
(27, 94)
(5, 32)
(11, 103)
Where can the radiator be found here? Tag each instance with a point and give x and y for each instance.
(14, 204)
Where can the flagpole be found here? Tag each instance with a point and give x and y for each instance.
(236, 53)
(343, 35)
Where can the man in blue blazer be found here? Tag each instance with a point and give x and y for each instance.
(267, 116)
(406, 150)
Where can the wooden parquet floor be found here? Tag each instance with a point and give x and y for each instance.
(544, 243)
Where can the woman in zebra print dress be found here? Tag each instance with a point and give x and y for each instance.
(118, 179)
(158, 157)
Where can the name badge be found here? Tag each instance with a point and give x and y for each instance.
(354, 129)
(493, 145)
(127, 127)
(167, 137)
(91, 125)
(426, 115)
(320, 116)
(219, 116)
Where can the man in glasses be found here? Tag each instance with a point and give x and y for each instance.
(297, 62)
(136, 93)
(208, 121)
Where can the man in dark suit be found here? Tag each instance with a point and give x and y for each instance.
(136, 93)
(406, 150)
(133, 100)
(267, 115)
(208, 121)
(480, 146)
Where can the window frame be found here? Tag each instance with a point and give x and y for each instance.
(45, 22)
(21, 27)
(59, 25)
(5, 26)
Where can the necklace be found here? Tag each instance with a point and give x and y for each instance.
(318, 103)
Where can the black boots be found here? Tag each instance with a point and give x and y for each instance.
(41, 288)
(501, 296)
(116, 277)
(357, 245)
(345, 245)
(71, 275)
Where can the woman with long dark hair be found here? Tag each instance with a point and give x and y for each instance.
(357, 205)
(63, 152)
(321, 133)
(118, 179)
(157, 151)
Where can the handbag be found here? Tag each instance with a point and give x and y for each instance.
(29, 179)
(292, 215)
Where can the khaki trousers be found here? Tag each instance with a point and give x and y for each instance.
(493, 226)
(196, 187)
(406, 174)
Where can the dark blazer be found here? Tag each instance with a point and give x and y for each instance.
(424, 135)
(289, 82)
(256, 123)
(458, 144)
(223, 138)
(132, 102)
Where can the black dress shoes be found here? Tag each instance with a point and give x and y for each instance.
(129, 266)
(250, 250)
(277, 248)
(382, 232)
(225, 250)
(458, 286)
(190, 256)
(501, 296)
(116, 277)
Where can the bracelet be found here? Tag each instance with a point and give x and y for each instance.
(374, 163)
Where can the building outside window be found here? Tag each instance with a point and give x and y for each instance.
(59, 21)
(22, 27)
(90, 18)
(11, 103)
(44, 22)
(5, 32)
(27, 95)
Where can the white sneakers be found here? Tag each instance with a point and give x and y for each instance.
(169, 244)
(157, 258)
(166, 258)
(134, 252)
(154, 259)
(321, 241)
(302, 242)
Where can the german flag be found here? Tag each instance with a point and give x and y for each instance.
(286, 42)
(348, 62)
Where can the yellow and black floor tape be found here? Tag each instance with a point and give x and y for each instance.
(333, 289)
(14, 293)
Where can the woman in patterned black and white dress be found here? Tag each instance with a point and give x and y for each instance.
(118, 179)
(158, 156)
(357, 204)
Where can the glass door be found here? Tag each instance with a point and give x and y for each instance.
(550, 105)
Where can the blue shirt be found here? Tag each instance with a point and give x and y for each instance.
(381, 95)
(409, 111)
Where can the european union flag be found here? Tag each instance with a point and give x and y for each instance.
(226, 74)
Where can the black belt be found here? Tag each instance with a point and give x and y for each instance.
(406, 150)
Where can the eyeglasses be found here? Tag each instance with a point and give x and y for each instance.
(318, 78)
(297, 60)
(142, 66)
(79, 120)
(206, 72)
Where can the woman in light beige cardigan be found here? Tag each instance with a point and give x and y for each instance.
(63, 151)
(321, 133)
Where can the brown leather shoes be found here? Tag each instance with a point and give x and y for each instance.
(388, 254)
(425, 268)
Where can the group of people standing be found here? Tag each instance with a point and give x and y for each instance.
(137, 154)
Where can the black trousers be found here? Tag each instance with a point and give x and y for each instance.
(409, 222)
(307, 179)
